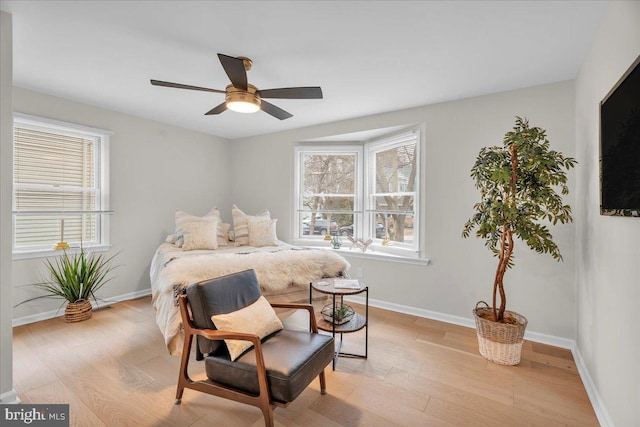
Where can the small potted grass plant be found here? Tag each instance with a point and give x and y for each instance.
(75, 278)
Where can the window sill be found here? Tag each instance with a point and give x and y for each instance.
(19, 255)
(371, 254)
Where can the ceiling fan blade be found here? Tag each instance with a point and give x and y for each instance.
(217, 109)
(312, 92)
(181, 86)
(276, 112)
(234, 67)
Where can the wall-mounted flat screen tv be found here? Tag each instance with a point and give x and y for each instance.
(620, 146)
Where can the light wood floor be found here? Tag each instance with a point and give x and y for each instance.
(114, 371)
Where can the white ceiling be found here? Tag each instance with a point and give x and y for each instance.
(368, 57)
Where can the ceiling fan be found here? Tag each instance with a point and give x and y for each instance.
(243, 97)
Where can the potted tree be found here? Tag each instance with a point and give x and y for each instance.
(75, 278)
(518, 185)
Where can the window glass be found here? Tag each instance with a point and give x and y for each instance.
(392, 182)
(328, 193)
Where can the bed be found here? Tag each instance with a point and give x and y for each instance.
(284, 272)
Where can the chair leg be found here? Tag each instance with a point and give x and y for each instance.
(183, 376)
(267, 411)
(179, 392)
(323, 384)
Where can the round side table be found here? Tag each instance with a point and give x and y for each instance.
(357, 322)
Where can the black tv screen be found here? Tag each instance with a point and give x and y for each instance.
(620, 146)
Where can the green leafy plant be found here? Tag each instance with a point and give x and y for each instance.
(338, 314)
(75, 277)
(341, 312)
(518, 185)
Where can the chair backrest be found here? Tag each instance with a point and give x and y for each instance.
(220, 296)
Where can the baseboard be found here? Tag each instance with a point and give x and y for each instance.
(459, 320)
(32, 318)
(434, 315)
(9, 398)
(592, 392)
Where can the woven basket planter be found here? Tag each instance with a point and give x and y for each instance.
(77, 311)
(500, 342)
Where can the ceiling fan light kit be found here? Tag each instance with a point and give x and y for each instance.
(242, 97)
(242, 101)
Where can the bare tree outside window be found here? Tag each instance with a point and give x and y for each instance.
(394, 194)
(328, 190)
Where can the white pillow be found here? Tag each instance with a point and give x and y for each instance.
(182, 216)
(240, 226)
(200, 234)
(262, 231)
(258, 318)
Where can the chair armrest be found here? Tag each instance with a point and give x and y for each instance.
(291, 305)
(308, 307)
(217, 335)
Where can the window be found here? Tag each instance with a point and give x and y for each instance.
(366, 191)
(60, 185)
(328, 189)
(391, 178)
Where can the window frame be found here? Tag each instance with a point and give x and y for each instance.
(364, 207)
(300, 151)
(102, 145)
(377, 145)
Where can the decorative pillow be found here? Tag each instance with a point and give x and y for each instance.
(258, 318)
(240, 225)
(200, 234)
(262, 231)
(181, 216)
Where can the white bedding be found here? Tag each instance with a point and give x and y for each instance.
(280, 269)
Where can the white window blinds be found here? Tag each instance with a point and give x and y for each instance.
(56, 176)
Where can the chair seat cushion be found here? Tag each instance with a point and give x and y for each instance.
(292, 360)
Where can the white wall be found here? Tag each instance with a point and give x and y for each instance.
(155, 168)
(153, 163)
(461, 271)
(607, 247)
(7, 395)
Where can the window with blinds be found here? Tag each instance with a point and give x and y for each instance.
(58, 185)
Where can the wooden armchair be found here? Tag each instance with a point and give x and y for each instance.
(271, 373)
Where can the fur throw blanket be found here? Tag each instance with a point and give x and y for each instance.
(275, 270)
